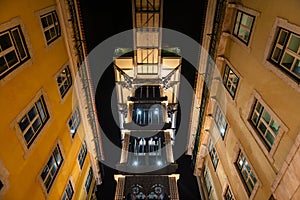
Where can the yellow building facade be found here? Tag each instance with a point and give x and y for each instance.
(47, 149)
(247, 139)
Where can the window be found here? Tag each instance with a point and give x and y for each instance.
(220, 121)
(213, 154)
(230, 80)
(246, 172)
(68, 194)
(228, 194)
(33, 121)
(52, 167)
(265, 125)
(286, 53)
(243, 26)
(88, 181)
(207, 182)
(1, 185)
(50, 26)
(82, 154)
(13, 50)
(74, 122)
(64, 81)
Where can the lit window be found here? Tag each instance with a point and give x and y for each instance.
(68, 194)
(230, 80)
(88, 181)
(286, 53)
(74, 122)
(207, 182)
(52, 167)
(13, 50)
(50, 26)
(213, 154)
(220, 121)
(228, 194)
(243, 26)
(82, 154)
(33, 121)
(264, 124)
(64, 81)
(246, 172)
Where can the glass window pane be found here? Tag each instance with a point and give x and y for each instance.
(296, 69)
(275, 126)
(28, 135)
(44, 22)
(32, 113)
(282, 37)
(266, 116)
(36, 125)
(276, 54)
(287, 60)
(5, 42)
(24, 123)
(262, 128)
(11, 58)
(270, 138)
(40, 107)
(247, 21)
(19, 43)
(45, 172)
(294, 43)
(3, 65)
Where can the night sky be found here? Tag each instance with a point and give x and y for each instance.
(103, 19)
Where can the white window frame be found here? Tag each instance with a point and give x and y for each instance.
(285, 24)
(15, 123)
(227, 65)
(67, 79)
(44, 12)
(22, 63)
(252, 171)
(76, 120)
(283, 128)
(218, 112)
(82, 154)
(46, 190)
(247, 11)
(69, 182)
(214, 157)
(89, 178)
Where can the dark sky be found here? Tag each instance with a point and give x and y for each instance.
(103, 19)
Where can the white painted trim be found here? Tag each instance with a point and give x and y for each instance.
(255, 134)
(283, 23)
(15, 127)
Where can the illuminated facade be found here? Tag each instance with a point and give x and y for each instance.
(147, 80)
(47, 146)
(244, 136)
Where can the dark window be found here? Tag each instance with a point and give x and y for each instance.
(207, 181)
(230, 80)
(243, 26)
(265, 125)
(52, 167)
(64, 81)
(246, 173)
(50, 25)
(82, 154)
(68, 194)
(228, 194)
(213, 154)
(286, 53)
(88, 180)
(13, 50)
(33, 121)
